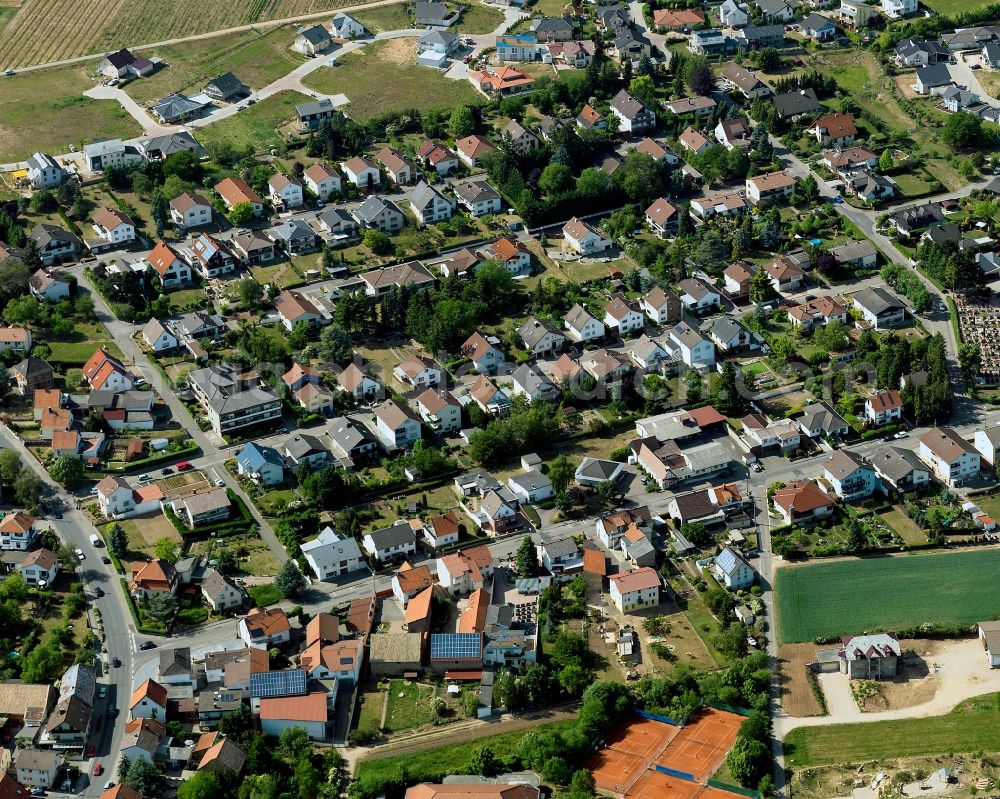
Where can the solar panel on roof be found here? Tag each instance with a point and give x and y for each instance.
(278, 683)
(456, 646)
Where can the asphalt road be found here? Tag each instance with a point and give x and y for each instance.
(74, 529)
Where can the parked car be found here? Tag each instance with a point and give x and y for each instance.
(79, 554)
(147, 645)
(105, 559)
(166, 470)
(99, 592)
(97, 770)
(183, 466)
(116, 662)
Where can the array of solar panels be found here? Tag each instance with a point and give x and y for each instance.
(456, 646)
(291, 682)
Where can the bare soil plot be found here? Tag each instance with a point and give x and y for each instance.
(797, 697)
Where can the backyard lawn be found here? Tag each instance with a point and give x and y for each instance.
(885, 593)
(144, 532)
(381, 79)
(864, 81)
(970, 727)
(256, 126)
(46, 110)
(385, 18)
(369, 715)
(908, 530)
(411, 704)
(478, 18)
(77, 348)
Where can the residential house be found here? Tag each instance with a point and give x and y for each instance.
(489, 397)
(794, 104)
(381, 214)
(429, 204)
(344, 26)
(400, 169)
(39, 568)
(900, 469)
(478, 197)
(728, 203)
(859, 254)
(987, 442)
(770, 187)
(591, 119)
(233, 401)
(802, 502)
(883, 407)
(113, 228)
(44, 172)
(895, 9)
(693, 141)
(765, 436)
(736, 280)
(531, 486)
(633, 116)
(623, 315)
(745, 82)
(322, 180)
(264, 629)
(295, 308)
(593, 471)
(419, 372)
(731, 337)
(697, 106)
(149, 701)
(581, 326)
(732, 570)
(337, 226)
(678, 20)
(352, 442)
(396, 425)
(850, 476)
(304, 448)
(953, 460)
(123, 63)
(190, 210)
(362, 172)
(695, 350)
(662, 218)
(870, 657)
(54, 244)
(647, 354)
(820, 420)
(583, 239)
(208, 507)
(471, 150)
(501, 82)
(100, 155)
(312, 41)
(174, 271)
(439, 410)
(756, 37)
(15, 340)
(395, 541)
(358, 383)
(330, 555)
(35, 768)
(48, 285)
(708, 41)
(932, 79)
(234, 191)
(733, 14)
(437, 157)
(520, 139)
(531, 383)
(285, 192)
(540, 336)
(817, 313)
(661, 306)
(786, 276)
(880, 308)
(908, 221)
(919, 52)
(818, 27)
(484, 352)
(849, 160)
(408, 581)
(697, 296)
(510, 254)
(634, 590)
(17, 531)
(777, 10)
(733, 133)
(102, 371)
(226, 87)
(835, 130)
(411, 275)
(466, 570)
(260, 463)
(441, 530)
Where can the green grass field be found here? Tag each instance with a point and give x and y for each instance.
(911, 185)
(908, 530)
(410, 705)
(257, 125)
(954, 7)
(378, 80)
(256, 59)
(385, 18)
(849, 596)
(864, 80)
(46, 110)
(451, 759)
(479, 19)
(970, 727)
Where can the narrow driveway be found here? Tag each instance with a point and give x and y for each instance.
(963, 74)
(149, 125)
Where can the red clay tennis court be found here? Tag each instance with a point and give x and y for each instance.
(654, 785)
(701, 746)
(629, 751)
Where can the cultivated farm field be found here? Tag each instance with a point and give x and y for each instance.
(49, 30)
(850, 596)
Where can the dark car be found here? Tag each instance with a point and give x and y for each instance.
(105, 559)
(99, 592)
(116, 662)
(38, 792)
(113, 712)
(147, 645)
(166, 470)
(56, 514)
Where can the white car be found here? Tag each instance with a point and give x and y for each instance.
(901, 434)
(79, 553)
(220, 483)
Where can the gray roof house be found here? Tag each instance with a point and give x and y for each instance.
(819, 419)
(433, 13)
(395, 540)
(594, 471)
(225, 87)
(900, 468)
(796, 103)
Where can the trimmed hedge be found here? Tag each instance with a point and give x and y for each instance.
(229, 527)
(192, 451)
(135, 613)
